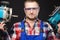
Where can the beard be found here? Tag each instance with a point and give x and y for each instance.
(31, 18)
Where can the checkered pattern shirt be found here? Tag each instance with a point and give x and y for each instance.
(47, 29)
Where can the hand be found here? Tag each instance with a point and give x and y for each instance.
(58, 27)
(2, 25)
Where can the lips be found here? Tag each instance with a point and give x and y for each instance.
(32, 14)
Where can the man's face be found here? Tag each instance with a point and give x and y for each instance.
(31, 10)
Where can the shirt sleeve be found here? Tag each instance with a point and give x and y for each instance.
(17, 31)
(49, 32)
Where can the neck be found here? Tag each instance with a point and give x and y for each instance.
(30, 21)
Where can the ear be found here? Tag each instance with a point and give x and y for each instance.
(24, 9)
(39, 9)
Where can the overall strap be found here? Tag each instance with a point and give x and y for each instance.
(41, 31)
(40, 37)
(23, 31)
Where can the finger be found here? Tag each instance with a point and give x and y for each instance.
(2, 22)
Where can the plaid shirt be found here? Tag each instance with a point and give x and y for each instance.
(47, 29)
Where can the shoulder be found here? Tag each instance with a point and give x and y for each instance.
(17, 24)
(47, 25)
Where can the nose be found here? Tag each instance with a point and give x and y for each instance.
(31, 10)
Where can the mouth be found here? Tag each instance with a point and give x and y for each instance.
(32, 14)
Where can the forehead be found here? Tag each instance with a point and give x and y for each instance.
(31, 4)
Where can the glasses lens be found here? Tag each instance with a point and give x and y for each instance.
(31, 8)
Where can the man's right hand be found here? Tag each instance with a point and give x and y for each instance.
(2, 25)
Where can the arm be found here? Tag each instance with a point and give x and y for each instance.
(4, 32)
(17, 32)
(53, 36)
(49, 32)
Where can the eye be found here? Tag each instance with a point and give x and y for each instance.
(31, 8)
(35, 8)
(27, 8)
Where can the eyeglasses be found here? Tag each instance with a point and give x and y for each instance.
(31, 8)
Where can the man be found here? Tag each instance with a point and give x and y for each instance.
(31, 28)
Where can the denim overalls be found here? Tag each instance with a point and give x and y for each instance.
(24, 36)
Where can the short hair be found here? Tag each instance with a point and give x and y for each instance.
(32, 1)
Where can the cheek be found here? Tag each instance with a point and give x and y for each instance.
(36, 13)
(27, 13)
